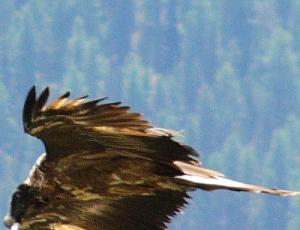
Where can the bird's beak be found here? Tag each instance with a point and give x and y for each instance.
(11, 223)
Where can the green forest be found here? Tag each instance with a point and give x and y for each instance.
(225, 72)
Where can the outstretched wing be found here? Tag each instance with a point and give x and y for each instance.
(68, 126)
(107, 168)
(104, 166)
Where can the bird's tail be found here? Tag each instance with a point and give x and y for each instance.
(210, 180)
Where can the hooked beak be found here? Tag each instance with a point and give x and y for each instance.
(11, 223)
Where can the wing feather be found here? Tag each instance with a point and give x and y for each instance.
(29, 107)
(40, 103)
(59, 102)
(73, 103)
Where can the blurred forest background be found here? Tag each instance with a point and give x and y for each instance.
(226, 72)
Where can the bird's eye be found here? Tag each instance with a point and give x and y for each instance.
(17, 196)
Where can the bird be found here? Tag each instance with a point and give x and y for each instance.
(106, 167)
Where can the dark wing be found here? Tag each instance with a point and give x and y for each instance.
(104, 166)
(107, 168)
(68, 126)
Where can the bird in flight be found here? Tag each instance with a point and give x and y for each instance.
(106, 168)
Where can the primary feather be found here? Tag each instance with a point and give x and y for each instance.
(106, 168)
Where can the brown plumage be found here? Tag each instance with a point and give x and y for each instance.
(106, 168)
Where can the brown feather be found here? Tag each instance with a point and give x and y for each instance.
(74, 103)
(41, 101)
(58, 103)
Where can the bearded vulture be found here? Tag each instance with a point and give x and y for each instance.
(106, 168)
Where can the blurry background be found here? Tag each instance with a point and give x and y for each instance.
(226, 72)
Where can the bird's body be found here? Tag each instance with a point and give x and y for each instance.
(106, 168)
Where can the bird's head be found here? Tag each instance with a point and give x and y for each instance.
(21, 200)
